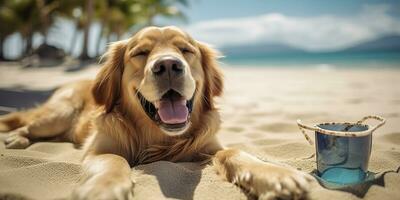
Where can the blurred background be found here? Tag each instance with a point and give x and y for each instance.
(254, 32)
(43, 42)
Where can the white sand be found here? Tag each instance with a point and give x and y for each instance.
(259, 111)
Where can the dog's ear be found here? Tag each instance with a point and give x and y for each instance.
(213, 85)
(107, 85)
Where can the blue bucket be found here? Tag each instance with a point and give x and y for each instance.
(342, 149)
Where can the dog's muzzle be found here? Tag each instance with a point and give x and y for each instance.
(172, 111)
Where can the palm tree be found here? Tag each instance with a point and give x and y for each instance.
(29, 14)
(118, 17)
(165, 8)
(102, 16)
(86, 29)
(81, 13)
(72, 10)
(9, 24)
(115, 16)
(19, 16)
(33, 16)
(46, 10)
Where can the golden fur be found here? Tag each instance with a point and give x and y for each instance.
(116, 133)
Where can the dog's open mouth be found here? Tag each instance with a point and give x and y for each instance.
(171, 112)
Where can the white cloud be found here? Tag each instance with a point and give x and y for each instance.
(318, 33)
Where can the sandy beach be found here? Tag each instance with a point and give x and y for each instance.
(259, 110)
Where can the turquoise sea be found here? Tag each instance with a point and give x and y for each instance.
(335, 60)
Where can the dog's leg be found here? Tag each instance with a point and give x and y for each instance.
(106, 171)
(107, 177)
(53, 118)
(13, 126)
(11, 121)
(54, 121)
(262, 179)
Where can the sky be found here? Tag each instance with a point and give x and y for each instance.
(313, 25)
(202, 10)
(306, 24)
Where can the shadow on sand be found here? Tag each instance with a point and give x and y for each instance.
(15, 99)
(361, 189)
(176, 180)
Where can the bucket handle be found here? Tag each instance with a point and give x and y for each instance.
(304, 127)
(381, 120)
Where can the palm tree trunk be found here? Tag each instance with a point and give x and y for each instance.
(43, 16)
(29, 40)
(89, 12)
(1, 48)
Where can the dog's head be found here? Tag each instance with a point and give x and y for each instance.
(164, 72)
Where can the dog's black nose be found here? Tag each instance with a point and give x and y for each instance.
(168, 66)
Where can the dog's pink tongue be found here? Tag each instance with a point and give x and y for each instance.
(173, 111)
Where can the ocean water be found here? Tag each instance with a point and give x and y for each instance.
(322, 60)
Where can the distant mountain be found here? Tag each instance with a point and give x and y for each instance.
(259, 49)
(383, 44)
(387, 43)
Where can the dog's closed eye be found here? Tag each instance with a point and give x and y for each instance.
(185, 50)
(141, 53)
(184, 47)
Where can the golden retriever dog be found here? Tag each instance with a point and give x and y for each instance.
(152, 100)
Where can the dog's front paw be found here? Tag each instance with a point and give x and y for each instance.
(102, 188)
(17, 139)
(268, 181)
